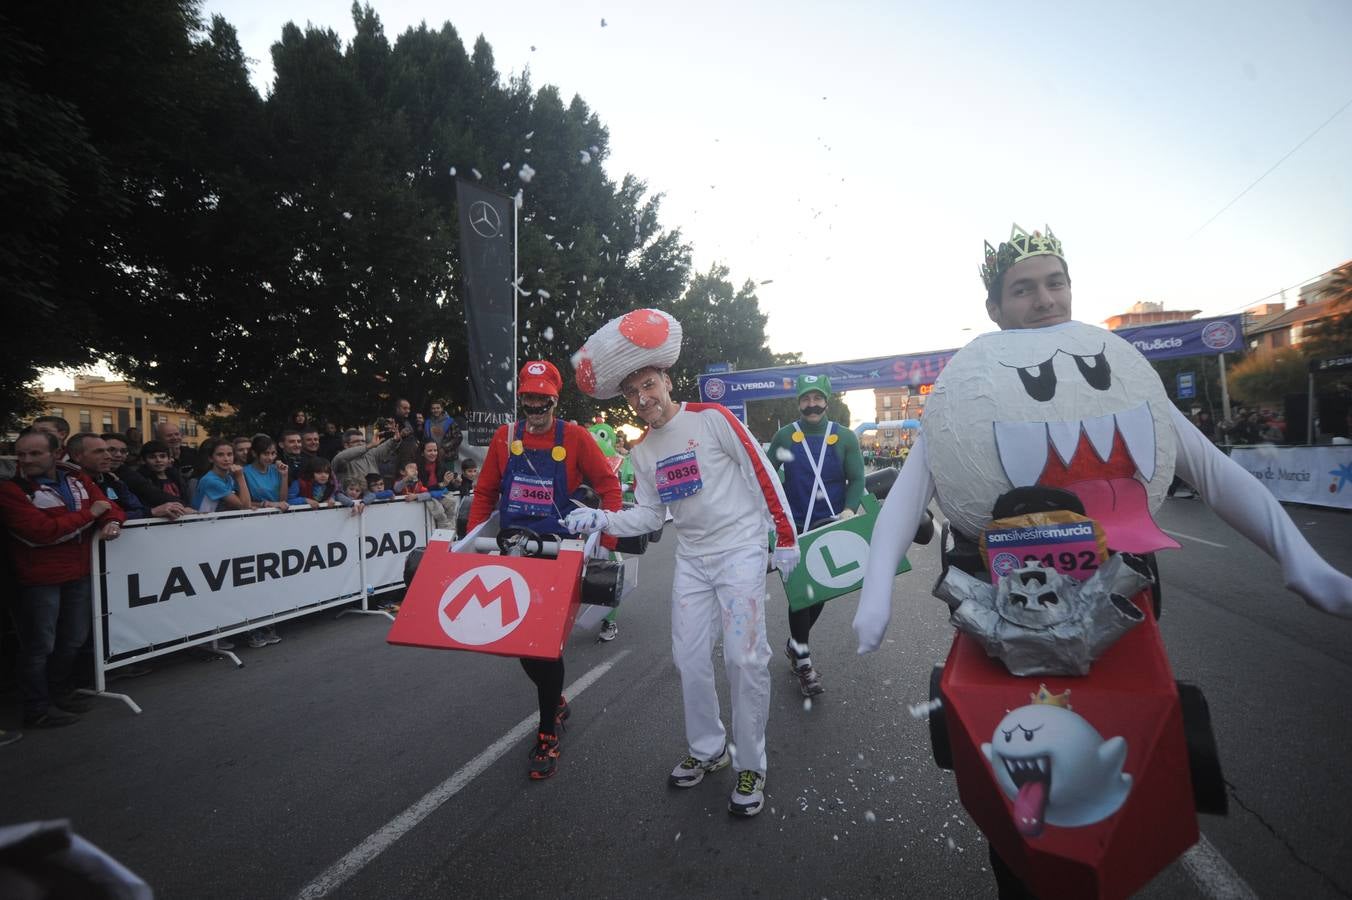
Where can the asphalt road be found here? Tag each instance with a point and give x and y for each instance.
(257, 782)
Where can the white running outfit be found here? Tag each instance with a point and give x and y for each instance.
(707, 469)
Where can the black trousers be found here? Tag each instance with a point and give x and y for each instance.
(547, 674)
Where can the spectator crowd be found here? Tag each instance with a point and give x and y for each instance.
(69, 488)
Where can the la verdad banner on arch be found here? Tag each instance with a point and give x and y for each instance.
(169, 585)
(1171, 340)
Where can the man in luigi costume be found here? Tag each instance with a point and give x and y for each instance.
(823, 471)
(529, 475)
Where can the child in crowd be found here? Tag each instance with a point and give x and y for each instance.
(375, 488)
(243, 449)
(267, 480)
(469, 470)
(353, 490)
(409, 486)
(222, 486)
(157, 466)
(317, 487)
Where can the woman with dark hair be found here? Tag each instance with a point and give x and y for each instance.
(222, 485)
(440, 479)
(267, 480)
(299, 420)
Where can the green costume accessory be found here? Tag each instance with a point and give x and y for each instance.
(1020, 246)
(818, 383)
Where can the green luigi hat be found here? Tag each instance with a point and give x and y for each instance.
(814, 383)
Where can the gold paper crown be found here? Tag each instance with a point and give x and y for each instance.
(1047, 698)
(1020, 246)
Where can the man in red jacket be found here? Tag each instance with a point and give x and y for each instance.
(51, 511)
(529, 475)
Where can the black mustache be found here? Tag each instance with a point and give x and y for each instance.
(536, 410)
(812, 410)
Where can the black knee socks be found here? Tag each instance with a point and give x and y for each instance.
(548, 677)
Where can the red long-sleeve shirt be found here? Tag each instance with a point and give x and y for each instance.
(584, 460)
(48, 541)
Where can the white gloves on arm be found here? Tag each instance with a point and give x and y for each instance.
(786, 560)
(585, 520)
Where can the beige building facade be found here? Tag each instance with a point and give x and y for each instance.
(98, 405)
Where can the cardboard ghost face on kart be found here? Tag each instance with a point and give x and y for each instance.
(1070, 406)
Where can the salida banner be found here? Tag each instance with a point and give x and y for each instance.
(180, 583)
(1320, 476)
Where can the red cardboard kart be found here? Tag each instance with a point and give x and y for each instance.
(509, 593)
(1085, 786)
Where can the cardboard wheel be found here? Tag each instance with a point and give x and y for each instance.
(411, 564)
(1204, 763)
(938, 728)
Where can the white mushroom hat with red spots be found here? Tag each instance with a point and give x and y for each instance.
(636, 340)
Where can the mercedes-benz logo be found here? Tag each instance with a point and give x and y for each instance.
(484, 219)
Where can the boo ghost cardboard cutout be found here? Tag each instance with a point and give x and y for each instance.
(1071, 406)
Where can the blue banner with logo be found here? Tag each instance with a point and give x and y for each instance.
(1195, 337)
(911, 370)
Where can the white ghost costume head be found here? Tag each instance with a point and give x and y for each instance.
(1071, 406)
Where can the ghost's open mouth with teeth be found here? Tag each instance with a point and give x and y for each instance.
(1032, 777)
(1097, 459)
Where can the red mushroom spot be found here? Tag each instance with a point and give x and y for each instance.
(586, 376)
(646, 328)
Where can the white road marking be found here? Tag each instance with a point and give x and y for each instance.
(379, 841)
(1215, 877)
(1191, 538)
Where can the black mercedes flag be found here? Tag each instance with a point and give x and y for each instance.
(487, 240)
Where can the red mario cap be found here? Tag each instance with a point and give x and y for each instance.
(539, 377)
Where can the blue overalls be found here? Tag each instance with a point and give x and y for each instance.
(801, 476)
(534, 491)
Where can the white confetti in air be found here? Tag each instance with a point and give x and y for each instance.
(452, 171)
(558, 246)
(810, 593)
(347, 215)
(583, 157)
(783, 454)
(548, 334)
(951, 844)
(869, 816)
(605, 238)
(593, 149)
(544, 294)
(475, 173)
(519, 199)
(530, 134)
(549, 237)
(807, 704)
(526, 173)
(678, 835)
(923, 710)
(506, 166)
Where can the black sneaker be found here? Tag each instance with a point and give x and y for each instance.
(72, 703)
(809, 681)
(544, 759)
(691, 770)
(749, 795)
(609, 631)
(52, 718)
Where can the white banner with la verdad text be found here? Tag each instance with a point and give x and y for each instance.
(1320, 476)
(179, 583)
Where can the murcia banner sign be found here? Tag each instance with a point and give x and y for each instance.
(1320, 476)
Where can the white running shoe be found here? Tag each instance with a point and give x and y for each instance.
(749, 795)
(691, 771)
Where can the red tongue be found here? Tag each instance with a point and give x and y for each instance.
(1029, 807)
(1121, 506)
(1111, 495)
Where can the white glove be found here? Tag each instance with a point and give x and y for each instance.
(870, 622)
(1323, 587)
(585, 520)
(845, 514)
(786, 560)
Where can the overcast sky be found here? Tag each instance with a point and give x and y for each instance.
(857, 154)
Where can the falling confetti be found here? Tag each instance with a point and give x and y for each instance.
(506, 166)
(548, 334)
(783, 454)
(452, 171)
(475, 173)
(807, 704)
(923, 710)
(526, 173)
(603, 23)
(347, 215)
(869, 816)
(544, 294)
(583, 157)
